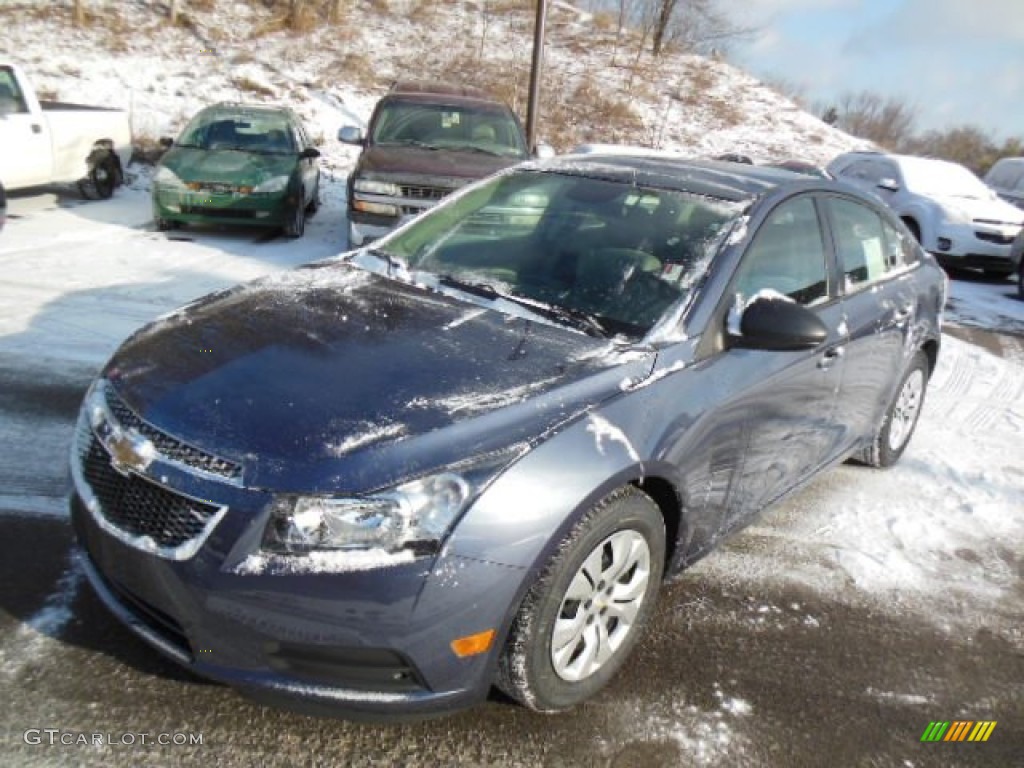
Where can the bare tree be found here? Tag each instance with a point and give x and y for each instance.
(664, 9)
(888, 121)
(78, 15)
(175, 9)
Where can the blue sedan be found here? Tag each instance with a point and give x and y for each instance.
(469, 454)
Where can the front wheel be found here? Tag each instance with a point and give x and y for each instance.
(901, 418)
(296, 225)
(579, 622)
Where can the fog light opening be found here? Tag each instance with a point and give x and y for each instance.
(945, 243)
(472, 645)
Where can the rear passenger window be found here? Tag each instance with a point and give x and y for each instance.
(869, 248)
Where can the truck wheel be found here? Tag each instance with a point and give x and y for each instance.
(105, 175)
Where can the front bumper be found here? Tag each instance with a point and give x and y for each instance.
(264, 210)
(974, 245)
(371, 643)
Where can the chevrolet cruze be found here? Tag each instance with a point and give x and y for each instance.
(469, 454)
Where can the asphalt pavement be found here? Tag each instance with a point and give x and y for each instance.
(731, 672)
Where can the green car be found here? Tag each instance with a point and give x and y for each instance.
(238, 164)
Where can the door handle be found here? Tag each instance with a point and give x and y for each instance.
(903, 313)
(830, 357)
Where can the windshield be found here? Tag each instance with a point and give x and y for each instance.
(596, 254)
(491, 131)
(261, 132)
(936, 177)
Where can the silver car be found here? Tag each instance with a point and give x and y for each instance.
(946, 207)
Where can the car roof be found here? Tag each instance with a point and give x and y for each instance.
(709, 178)
(441, 93)
(238, 108)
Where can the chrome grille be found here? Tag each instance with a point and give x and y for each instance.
(138, 507)
(994, 237)
(170, 447)
(424, 193)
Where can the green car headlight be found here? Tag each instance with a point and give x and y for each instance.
(270, 186)
(165, 177)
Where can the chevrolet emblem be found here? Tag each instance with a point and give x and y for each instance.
(130, 452)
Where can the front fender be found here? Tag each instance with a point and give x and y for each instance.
(522, 516)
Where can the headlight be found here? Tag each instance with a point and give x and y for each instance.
(954, 214)
(377, 187)
(165, 177)
(413, 516)
(276, 184)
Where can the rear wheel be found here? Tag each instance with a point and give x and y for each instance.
(105, 175)
(901, 418)
(579, 622)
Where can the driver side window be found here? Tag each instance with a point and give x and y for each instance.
(787, 255)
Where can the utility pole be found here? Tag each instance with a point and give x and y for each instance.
(533, 105)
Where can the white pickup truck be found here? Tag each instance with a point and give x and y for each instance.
(43, 142)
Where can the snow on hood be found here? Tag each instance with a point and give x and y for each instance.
(332, 364)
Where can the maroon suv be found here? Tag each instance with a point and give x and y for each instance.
(424, 141)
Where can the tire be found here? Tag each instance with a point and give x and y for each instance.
(997, 274)
(165, 225)
(352, 238)
(613, 556)
(296, 225)
(915, 230)
(900, 418)
(105, 175)
(1020, 281)
(314, 203)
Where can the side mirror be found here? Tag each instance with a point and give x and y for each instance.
(777, 323)
(543, 151)
(166, 142)
(309, 153)
(889, 185)
(350, 134)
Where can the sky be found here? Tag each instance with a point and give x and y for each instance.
(956, 62)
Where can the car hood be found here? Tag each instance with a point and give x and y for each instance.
(227, 166)
(333, 378)
(416, 161)
(991, 210)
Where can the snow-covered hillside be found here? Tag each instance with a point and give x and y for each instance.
(595, 89)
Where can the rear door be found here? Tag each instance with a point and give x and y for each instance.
(880, 305)
(26, 157)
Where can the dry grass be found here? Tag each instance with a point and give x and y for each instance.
(356, 68)
(249, 85)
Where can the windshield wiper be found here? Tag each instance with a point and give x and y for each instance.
(577, 318)
(387, 258)
(482, 151)
(409, 143)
